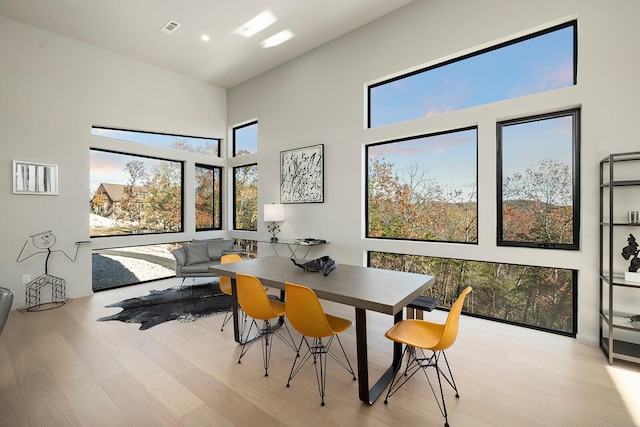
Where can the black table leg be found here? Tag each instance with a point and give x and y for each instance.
(367, 395)
(234, 311)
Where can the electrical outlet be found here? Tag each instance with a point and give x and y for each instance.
(26, 278)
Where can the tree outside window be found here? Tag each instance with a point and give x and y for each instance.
(134, 194)
(245, 197)
(424, 188)
(538, 297)
(208, 189)
(538, 181)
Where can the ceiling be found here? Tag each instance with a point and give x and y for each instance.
(132, 28)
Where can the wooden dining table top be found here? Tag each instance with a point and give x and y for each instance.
(383, 291)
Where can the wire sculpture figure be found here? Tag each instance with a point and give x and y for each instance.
(43, 242)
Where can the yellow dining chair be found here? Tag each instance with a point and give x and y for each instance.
(225, 284)
(419, 335)
(306, 315)
(256, 304)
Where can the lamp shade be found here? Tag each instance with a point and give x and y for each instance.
(274, 212)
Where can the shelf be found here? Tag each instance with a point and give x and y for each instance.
(618, 280)
(622, 350)
(617, 329)
(622, 321)
(621, 157)
(621, 183)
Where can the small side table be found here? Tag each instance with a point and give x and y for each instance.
(293, 246)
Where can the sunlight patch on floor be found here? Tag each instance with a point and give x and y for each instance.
(627, 384)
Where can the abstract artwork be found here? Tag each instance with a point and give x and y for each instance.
(35, 178)
(302, 175)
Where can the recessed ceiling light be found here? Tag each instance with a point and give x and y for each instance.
(256, 24)
(277, 39)
(205, 37)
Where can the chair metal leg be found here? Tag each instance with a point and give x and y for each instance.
(416, 363)
(228, 315)
(319, 352)
(265, 335)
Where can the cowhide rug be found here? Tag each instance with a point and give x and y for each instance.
(186, 303)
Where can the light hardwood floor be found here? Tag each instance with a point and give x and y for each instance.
(63, 368)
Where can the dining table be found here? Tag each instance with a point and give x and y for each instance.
(364, 288)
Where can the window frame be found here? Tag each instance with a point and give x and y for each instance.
(141, 132)
(182, 191)
(415, 137)
(216, 210)
(235, 197)
(575, 176)
(574, 293)
(234, 131)
(571, 23)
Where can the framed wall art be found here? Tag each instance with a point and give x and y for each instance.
(302, 175)
(35, 178)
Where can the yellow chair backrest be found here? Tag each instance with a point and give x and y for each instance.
(252, 297)
(453, 320)
(305, 313)
(226, 259)
(225, 281)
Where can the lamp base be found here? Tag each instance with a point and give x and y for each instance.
(274, 239)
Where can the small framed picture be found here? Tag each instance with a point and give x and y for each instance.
(35, 178)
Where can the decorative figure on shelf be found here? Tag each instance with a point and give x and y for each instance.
(631, 251)
(44, 241)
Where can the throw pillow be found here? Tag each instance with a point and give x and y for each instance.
(196, 253)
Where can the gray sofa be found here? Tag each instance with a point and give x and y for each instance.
(194, 258)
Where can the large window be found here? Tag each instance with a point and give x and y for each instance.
(208, 190)
(538, 297)
(538, 181)
(133, 194)
(539, 62)
(124, 266)
(208, 146)
(245, 139)
(245, 197)
(424, 188)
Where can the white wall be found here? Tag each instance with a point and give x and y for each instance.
(319, 98)
(52, 90)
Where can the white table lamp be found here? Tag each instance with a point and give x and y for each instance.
(274, 213)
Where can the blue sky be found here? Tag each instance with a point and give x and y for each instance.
(534, 65)
(150, 138)
(246, 138)
(525, 145)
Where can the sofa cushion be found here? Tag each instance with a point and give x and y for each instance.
(196, 253)
(197, 270)
(180, 254)
(217, 246)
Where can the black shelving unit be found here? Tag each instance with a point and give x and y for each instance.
(613, 322)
